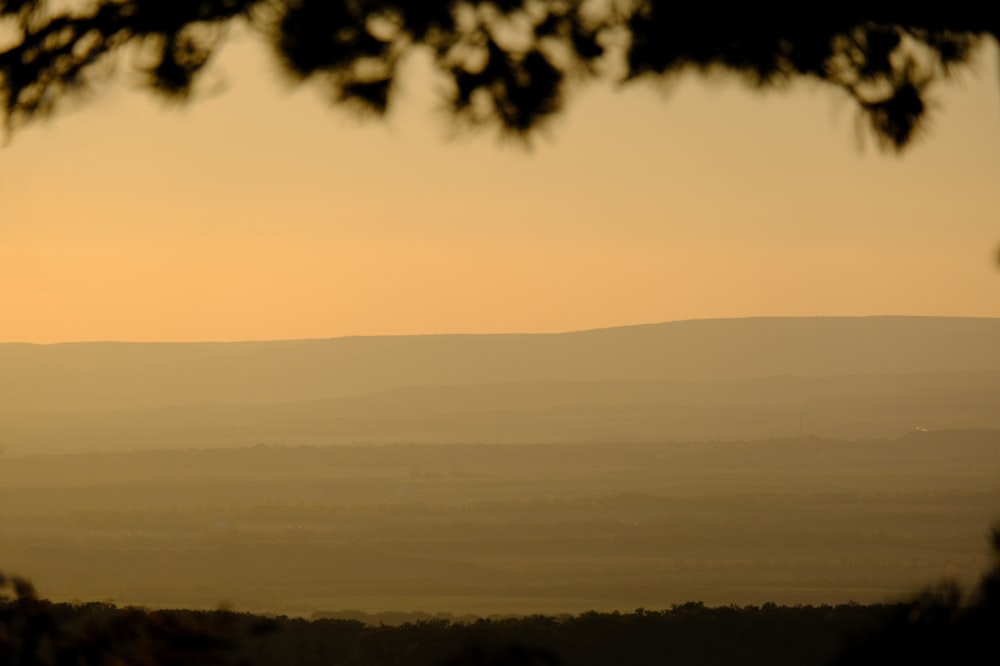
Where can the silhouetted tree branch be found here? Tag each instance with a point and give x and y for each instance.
(509, 62)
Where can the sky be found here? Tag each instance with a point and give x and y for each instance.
(259, 211)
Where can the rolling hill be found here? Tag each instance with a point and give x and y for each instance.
(711, 379)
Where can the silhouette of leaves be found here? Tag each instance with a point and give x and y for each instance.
(35, 632)
(938, 626)
(507, 60)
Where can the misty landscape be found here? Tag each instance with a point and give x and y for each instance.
(792, 461)
(328, 333)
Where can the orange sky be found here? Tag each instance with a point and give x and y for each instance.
(263, 213)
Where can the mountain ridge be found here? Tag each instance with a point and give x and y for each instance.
(101, 376)
(598, 329)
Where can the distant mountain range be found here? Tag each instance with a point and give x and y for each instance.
(708, 379)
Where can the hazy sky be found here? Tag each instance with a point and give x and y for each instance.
(261, 212)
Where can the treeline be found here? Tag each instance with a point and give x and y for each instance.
(940, 625)
(34, 631)
(935, 628)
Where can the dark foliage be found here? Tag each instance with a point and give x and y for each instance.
(36, 632)
(939, 626)
(936, 627)
(509, 62)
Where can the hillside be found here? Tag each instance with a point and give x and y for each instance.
(112, 376)
(697, 380)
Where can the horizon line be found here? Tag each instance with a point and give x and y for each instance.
(496, 333)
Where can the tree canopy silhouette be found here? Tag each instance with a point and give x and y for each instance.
(941, 625)
(38, 632)
(508, 63)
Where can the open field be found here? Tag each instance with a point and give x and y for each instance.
(505, 529)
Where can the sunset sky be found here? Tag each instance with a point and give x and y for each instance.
(261, 212)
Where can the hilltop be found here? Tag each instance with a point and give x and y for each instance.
(709, 379)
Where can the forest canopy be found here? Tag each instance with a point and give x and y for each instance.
(940, 626)
(509, 64)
